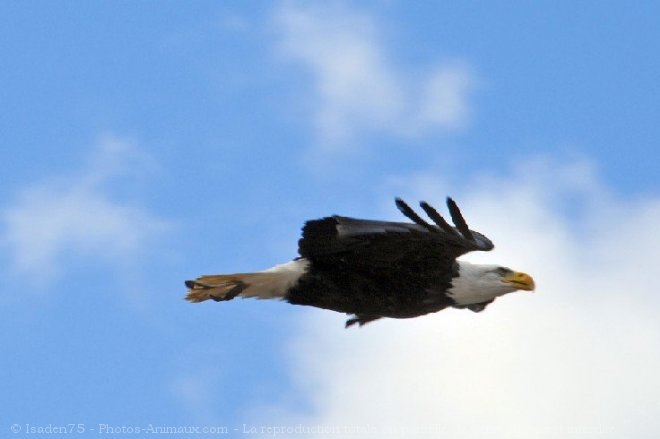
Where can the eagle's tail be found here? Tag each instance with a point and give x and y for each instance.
(227, 286)
(273, 283)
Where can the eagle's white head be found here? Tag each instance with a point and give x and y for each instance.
(478, 283)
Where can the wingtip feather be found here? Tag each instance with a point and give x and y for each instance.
(458, 219)
(411, 214)
(437, 218)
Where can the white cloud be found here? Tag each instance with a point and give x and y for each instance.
(194, 393)
(578, 358)
(358, 86)
(74, 217)
(443, 101)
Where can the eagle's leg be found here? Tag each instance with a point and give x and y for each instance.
(240, 286)
(202, 290)
(361, 320)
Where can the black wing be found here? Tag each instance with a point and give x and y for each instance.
(383, 269)
(342, 240)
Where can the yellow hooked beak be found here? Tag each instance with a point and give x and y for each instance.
(522, 281)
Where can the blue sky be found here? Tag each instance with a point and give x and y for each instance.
(147, 143)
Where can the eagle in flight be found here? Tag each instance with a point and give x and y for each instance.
(373, 269)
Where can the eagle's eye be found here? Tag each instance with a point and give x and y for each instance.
(503, 271)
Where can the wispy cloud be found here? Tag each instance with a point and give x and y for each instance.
(578, 358)
(74, 216)
(358, 86)
(193, 391)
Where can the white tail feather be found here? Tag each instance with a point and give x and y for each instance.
(268, 284)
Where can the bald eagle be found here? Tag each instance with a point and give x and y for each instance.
(373, 269)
